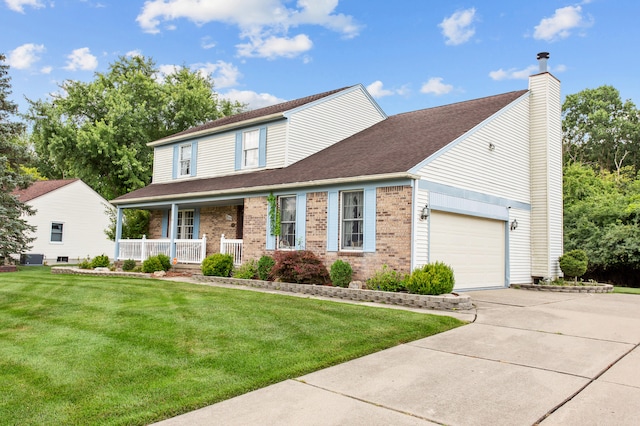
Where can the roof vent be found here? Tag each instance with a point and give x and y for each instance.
(542, 61)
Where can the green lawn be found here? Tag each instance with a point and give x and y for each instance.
(626, 290)
(102, 350)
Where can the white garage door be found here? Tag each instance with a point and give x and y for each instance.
(474, 247)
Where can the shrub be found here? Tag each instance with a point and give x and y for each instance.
(217, 265)
(85, 264)
(101, 261)
(165, 261)
(128, 265)
(152, 264)
(341, 273)
(574, 263)
(433, 278)
(265, 265)
(247, 271)
(386, 279)
(302, 267)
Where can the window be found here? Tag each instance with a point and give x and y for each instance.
(185, 160)
(185, 224)
(352, 223)
(56, 232)
(250, 149)
(287, 237)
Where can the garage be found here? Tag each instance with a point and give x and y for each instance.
(473, 246)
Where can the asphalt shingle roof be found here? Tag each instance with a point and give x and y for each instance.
(394, 145)
(41, 187)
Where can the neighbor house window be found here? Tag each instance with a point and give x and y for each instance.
(351, 221)
(250, 148)
(56, 232)
(185, 160)
(287, 237)
(185, 224)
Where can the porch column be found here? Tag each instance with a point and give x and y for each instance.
(173, 231)
(118, 232)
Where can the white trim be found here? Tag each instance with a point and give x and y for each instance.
(341, 219)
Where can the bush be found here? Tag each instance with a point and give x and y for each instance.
(128, 265)
(101, 261)
(165, 261)
(574, 263)
(433, 278)
(386, 279)
(341, 273)
(302, 267)
(246, 271)
(265, 265)
(152, 264)
(217, 265)
(85, 264)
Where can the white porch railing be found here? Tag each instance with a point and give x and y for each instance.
(187, 251)
(232, 247)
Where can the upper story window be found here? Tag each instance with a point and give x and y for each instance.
(185, 160)
(250, 148)
(352, 220)
(56, 232)
(287, 237)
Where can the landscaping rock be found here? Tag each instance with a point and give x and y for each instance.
(159, 274)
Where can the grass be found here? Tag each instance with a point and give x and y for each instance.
(78, 349)
(626, 290)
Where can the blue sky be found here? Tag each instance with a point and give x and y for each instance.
(410, 54)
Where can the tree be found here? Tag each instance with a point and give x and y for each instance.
(98, 131)
(600, 130)
(14, 238)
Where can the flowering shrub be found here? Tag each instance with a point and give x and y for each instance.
(302, 267)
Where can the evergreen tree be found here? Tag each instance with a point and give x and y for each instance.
(14, 229)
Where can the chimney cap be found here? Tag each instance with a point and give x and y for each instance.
(543, 55)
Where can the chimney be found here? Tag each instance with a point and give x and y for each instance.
(542, 61)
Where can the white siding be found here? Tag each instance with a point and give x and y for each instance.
(216, 155)
(162, 163)
(421, 230)
(319, 126)
(503, 171)
(546, 178)
(520, 247)
(276, 144)
(82, 213)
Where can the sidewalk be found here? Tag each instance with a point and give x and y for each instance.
(529, 357)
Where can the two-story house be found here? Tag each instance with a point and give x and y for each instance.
(476, 184)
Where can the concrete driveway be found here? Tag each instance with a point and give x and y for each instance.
(528, 357)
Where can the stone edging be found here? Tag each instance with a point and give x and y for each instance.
(445, 302)
(596, 288)
(77, 271)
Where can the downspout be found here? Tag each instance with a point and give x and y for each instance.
(173, 230)
(414, 237)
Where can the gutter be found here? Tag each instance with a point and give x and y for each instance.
(219, 129)
(267, 188)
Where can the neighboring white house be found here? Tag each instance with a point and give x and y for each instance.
(70, 221)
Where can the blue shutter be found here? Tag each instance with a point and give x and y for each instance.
(194, 158)
(262, 155)
(176, 154)
(301, 220)
(369, 220)
(196, 224)
(332, 221)
(238, 150)
(165, 224)
(271, 239)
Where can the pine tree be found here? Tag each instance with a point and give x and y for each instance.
(14, 229)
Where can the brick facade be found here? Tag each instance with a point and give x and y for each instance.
(255, 228)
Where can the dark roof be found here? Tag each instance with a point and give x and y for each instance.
(394, 145)
(41, 187)
(256, 113)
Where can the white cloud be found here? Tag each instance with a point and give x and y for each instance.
(18, 5)
(377, 90)
(81, 59)
(224, 74)
(513, 73)
(265, 23)
(252, 99)
(207, 43)
(23, 57)
(46, 70)
(458, 28)
(273, 47)
(435, 86)
(134, 53)
(561, 23)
